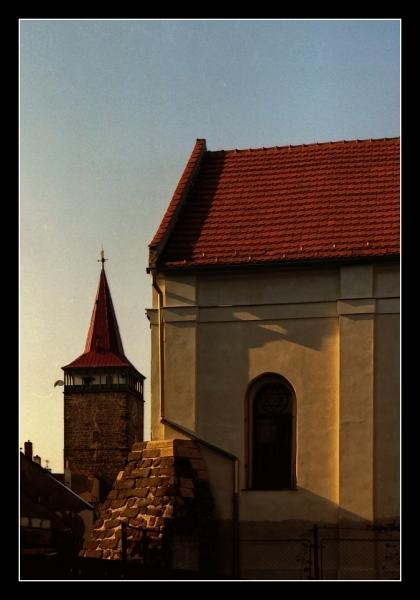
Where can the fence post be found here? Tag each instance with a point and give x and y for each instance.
(316, 552)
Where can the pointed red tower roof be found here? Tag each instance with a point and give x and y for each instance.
(103, 346)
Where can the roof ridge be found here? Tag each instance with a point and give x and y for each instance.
(332, 142)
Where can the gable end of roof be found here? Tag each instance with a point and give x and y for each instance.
(170, 218)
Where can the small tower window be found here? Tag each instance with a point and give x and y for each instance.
(109, 379)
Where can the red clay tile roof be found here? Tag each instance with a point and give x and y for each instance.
(333, 200)
(99, 359)
(103, 346)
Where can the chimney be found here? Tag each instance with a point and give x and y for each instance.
(37, 459)
(28, 450)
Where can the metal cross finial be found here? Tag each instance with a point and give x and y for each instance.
(102, 259)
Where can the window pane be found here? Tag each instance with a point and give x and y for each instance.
(273, 438)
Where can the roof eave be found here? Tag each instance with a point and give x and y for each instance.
(103, 368)
(333, 261)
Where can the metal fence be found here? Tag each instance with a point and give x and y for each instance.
(276, 558)
(326, 553)
(359, 554)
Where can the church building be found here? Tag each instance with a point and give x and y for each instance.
(275, 345)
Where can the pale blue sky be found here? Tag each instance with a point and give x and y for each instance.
(109, 113)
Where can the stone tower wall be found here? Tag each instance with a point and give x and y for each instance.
(99, 430)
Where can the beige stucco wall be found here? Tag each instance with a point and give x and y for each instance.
(328, 331)
(386, 417)
(260, 347)
(180, 373)
(268, 286)
(356, 416)
(155, 425)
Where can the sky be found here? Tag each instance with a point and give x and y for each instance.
(109, 114)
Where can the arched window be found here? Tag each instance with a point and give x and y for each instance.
(271, 433)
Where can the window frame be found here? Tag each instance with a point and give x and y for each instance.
(255, 386)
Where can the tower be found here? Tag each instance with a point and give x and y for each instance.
(103, 399)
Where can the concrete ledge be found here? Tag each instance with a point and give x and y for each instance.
(388, 306)
(356, 306)
(269, 312)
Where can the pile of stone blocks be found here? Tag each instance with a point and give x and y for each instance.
(162, 492)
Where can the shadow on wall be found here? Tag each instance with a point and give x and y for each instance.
(313, 539)
(349, 548)
(263, 331)
(290, 508)
(231, 354)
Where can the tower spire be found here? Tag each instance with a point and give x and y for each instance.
(103, 345)
(104, 334)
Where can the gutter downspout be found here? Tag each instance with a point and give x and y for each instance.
(235, 487)
(160, 343)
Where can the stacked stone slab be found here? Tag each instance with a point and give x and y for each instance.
(163, 490)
